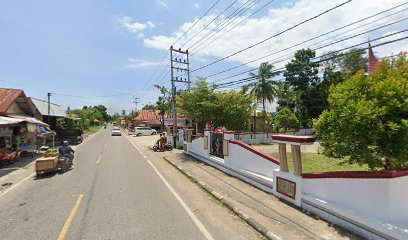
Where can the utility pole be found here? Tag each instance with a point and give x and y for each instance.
(49, 107)
(136, 101)
(184, 66)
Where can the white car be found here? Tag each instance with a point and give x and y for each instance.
(116, 132)
(139, 131)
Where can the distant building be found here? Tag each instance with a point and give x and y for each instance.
(41, 111)
(148, 118)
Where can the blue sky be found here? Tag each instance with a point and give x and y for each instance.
(89, 49)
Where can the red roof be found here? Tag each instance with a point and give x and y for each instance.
(10, 96)
(373, 63)
(147, 115)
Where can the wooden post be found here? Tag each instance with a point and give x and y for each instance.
(189, 133)
(297, 160)
(283, 161)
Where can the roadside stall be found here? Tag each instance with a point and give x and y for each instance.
(8, 149)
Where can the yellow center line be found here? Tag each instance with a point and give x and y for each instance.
(99, 159)
(106, 145)
(70, 218)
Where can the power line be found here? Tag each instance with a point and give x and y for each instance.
(275, 35)
(314, 38)
(226, 9)
(228, 19)
(197, 21)
(244, 80)
(166, 54)
(239, 23)
(320, 47)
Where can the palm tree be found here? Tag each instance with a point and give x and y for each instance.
(264, 88)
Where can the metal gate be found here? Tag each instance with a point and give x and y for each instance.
(217, 141)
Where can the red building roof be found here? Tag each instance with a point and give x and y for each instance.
(373, 63)
(10, 96)
(147, 115)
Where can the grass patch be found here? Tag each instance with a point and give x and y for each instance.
(314, 163)
(92, 130)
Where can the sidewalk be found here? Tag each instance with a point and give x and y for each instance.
(283, 220)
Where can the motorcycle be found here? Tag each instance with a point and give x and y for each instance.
(167, 147)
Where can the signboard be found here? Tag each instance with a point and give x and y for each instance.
(286, 187)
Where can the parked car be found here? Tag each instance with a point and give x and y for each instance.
(139, 131)
(116, 132)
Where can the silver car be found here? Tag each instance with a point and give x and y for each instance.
(116, 132)
(139, 131)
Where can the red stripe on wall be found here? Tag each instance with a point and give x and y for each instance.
(259, 153)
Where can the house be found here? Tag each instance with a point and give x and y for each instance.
(14, 101)
(19, 129)
(48, 113)
(148, 118)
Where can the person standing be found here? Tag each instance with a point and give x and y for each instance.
(163, 141)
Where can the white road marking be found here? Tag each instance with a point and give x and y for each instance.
(200, 226)
(183, 204)
(16, 185)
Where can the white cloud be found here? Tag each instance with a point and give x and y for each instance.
(278, 19)
(196, 5)
(140, 63)
(162, 4)
(128, 24)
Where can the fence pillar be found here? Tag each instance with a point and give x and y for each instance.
(297, 160)
(283, 161)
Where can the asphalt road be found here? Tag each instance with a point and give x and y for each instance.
(115, 191)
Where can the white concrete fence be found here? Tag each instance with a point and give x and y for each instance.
(372, 204)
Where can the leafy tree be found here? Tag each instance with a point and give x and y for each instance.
(233, 110)
(198, 105)
(286, 119)
(368, 118)
(266, 119)
(264, 88)
(229, 109)
(353, 61)
(286, 95)
(163, 103)
(149, 106)
(302, 74)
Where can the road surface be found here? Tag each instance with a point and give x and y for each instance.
(115, 191)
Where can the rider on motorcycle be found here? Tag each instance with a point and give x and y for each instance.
(66, 151)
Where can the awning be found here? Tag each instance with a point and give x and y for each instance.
(27, 119)
(9, 121)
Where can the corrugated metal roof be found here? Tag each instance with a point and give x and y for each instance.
(146, 115)
(27, 119)
(9, 121)
(7, 97)
(42, 107)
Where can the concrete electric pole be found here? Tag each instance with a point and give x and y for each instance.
(183, 66)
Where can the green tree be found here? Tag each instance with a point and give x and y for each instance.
(286, 119)
(353, 61)
(302, 74)
(286, 96)
(264, 88)
(368, 118)
(198, 105)
(229, 109)
(149, 106)
(163, 103)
